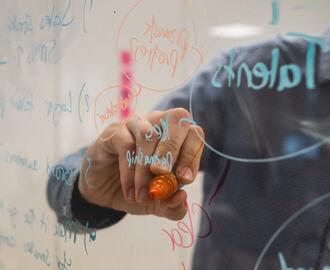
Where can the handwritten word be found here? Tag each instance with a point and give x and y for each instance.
(137, 158)
(114, 109)
(19, 160)
(162, 132)
(154, 53)
(55, 110)
(63, 264)
(290, 75)
(29, 247)
(6, 240)
(177, 235)
(23, 101)
(285, 267)
(179, 37)
(30, 217)
(72, 227)
(42, 52)
(159, 48)
(53, 20)
(60, 173)
(100, 119)
(24, 25)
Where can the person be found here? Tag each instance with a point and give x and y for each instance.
(262, 112)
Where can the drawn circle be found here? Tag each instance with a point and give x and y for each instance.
(302, 151)
(287, 223)
(194, 47)
(134, 94)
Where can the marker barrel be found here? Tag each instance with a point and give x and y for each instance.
(163, 186)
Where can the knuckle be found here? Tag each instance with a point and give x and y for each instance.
(177, 215)
(128, 144)
(148, 135)
(178, 113)
(169, 145)
(199, 131)
(110, 130)
(187, 157)
(182, 112)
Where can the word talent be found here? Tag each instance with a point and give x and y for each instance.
(260, 76)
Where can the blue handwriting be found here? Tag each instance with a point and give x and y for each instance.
(60, 173)
(55, 110)
(29, 247)
(285, 267)
(147, 160)
(53, 20)
(290, 75)
(18, 25)
(7, 240)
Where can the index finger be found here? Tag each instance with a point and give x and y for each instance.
(172, 134)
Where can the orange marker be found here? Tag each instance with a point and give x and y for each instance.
(163, 186)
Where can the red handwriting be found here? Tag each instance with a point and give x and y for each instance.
(221, 182)
(180, 37)
(183, 266)
(111, 109)
(154, 55)
(184, 235)
(158, 47)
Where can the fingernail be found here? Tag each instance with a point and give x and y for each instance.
(144, 194)
(187, 173)
(131, 194)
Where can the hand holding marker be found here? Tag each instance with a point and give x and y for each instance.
(164, 186)
(113, 183)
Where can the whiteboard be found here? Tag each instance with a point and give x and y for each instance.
(56, 59)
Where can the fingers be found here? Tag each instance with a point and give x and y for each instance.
(173, 137)
(162, 142)
(124, 145)
(190, 155)
(174, 208)
(145, 149)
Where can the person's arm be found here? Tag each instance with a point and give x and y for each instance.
(207, 109)
(67, 202)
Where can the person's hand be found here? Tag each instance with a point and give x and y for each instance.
(111, 177)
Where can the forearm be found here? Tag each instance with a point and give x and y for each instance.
(65, 199)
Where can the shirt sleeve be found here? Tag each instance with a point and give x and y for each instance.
(65, 199)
